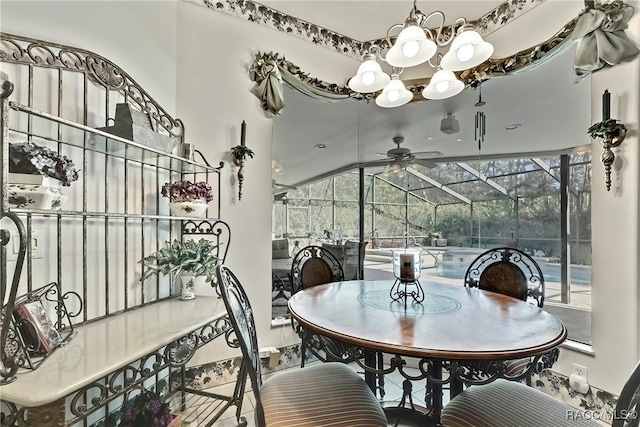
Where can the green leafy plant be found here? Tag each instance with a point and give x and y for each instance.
(604, 128)
(240, 151)
(197, 258)
(31, 158)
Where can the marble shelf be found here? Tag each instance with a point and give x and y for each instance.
(106, 345)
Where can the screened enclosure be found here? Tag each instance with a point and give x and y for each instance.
(454, 212)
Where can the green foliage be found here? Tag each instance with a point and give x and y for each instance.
(196, 258)
(240, 151)
(601, 129)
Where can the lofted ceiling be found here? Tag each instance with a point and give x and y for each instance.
(552, 110)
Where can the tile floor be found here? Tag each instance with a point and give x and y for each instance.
(393, 392)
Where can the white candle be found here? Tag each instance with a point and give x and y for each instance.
(407, 267)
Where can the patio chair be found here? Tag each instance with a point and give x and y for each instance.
(511, 272)
(506, 403)
(320, 395)
(313, 266)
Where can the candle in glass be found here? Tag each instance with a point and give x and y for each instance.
(407, 267)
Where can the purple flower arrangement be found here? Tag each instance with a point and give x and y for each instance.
(31, 158)
(181, 191)
(145, 410)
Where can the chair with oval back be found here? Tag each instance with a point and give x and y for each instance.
(511, 272)
(508, 271)
(313, 266)
(323, 394)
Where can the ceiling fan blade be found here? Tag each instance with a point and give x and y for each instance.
(427, 154)
(426, 163)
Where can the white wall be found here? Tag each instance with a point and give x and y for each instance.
(194, 61)
(115, 30)
(214, 54)
(615, 239)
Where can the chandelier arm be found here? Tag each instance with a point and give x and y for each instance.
(438, 57)
(391, 28)
(440, 41)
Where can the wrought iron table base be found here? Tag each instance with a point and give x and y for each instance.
(399, 291)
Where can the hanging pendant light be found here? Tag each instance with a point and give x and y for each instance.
(417, 42)
(467, 50)
(369, 77)
(443, 84)
(394, 94)
(411, 48)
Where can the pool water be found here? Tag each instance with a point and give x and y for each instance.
(452, 263)
(580, 275)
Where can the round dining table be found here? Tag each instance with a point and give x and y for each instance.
(452, 327)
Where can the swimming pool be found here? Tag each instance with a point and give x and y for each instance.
(453, 262)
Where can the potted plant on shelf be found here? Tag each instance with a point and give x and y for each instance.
(186, 260)
(188, 198)
(36, 174)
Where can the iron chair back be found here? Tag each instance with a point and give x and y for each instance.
(314, 265)
(627, 412)
(507, 271)
(241, 317)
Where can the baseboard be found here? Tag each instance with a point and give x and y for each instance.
(549, 382)
(226, 371)
(557, 385)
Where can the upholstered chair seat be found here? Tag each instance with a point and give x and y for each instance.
(326, 394)
(505, 403)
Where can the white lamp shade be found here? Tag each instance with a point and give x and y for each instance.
(394, 94)
(412, 35)
(467, 50)
(369, 78)
(443, 84)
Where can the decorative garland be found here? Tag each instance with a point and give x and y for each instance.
(268, 70)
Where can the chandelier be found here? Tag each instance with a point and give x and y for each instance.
(415, 45)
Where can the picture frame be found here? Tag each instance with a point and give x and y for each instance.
(39, 334)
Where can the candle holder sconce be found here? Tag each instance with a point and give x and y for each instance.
(239, 155)
(407, 266)
(611, 133)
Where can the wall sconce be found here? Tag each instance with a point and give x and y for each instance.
(239, 154)
(612, 134)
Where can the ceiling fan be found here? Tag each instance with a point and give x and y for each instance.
(399, 158)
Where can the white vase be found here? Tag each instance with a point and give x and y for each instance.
(34, 192)
(189, 208)
(187, 286)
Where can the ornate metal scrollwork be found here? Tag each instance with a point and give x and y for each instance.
(25, 50)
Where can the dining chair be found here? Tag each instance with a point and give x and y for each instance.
(505, 403)
(313, 266)
(326, 394)
(508, 271)
(511, 272)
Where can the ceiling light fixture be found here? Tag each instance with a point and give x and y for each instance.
(394, 94)
(320, 146)
(415, 45)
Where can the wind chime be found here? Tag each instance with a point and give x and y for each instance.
(480, 124)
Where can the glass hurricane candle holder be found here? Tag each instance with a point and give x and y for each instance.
(407, 266)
